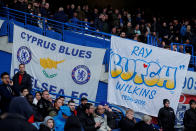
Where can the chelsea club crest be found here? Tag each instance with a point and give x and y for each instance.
(81, 74)
(24, 55)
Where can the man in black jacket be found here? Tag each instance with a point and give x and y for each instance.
(7, 92)
(44, 105)
(166, 117)
(87, 119)
(22, 79)
(190, 117)
(73, 122)
(127, 123)
(80, 108)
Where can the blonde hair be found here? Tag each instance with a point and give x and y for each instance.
(147, 118)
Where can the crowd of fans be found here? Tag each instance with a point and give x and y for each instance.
(127, 23)
(20, 110)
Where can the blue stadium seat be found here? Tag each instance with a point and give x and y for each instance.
(35, 29)
(4, 29)
(18, 23)
(53, 35)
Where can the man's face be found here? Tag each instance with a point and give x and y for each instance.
(46, 95)
(25, 92)
(130, 115)
(5, 79)
(167, 104)
(47, 5)
(30, 98)
(84, 102)
(22, 68)
(100, 109)
(193, 106)
(50, 124)
(62, 99)
(59, 103)
(72, 106)
(38, 96)
(123, 35)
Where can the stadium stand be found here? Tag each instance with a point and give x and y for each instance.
(98, 26)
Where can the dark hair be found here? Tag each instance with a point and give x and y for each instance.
(38, 92)
(61, 97)
(55, 101)
(3, 74)
(44, 91)
(84, 99)
(192, 102)
(28, 95)
(21, 64)
(165, 101)
(23, 89)
(71, 101)
(87, 106)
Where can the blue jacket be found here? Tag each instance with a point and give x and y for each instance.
(183, 30)
(59, 120)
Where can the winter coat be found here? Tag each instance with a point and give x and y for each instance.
(88, 122)
(19, 105)
(73, 123)
(44, 127)
(190, 120)
(60, 121)
(166, 118)
(6, 96)
(126, 124)
(26, 82)
(15, 122)
(142, 126)
(44, 107)
(103, 120)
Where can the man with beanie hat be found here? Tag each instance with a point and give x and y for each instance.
(190, 117)
(166, 117)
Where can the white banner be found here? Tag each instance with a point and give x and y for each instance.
(57, 66)
(141, 76)
(190, 83)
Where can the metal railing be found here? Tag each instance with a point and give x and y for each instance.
(49, 24)
(115, 108)
(81, 27)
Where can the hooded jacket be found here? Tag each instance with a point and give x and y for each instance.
(19, 105)
(60, 121)
(44, 126)
(15, 122)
